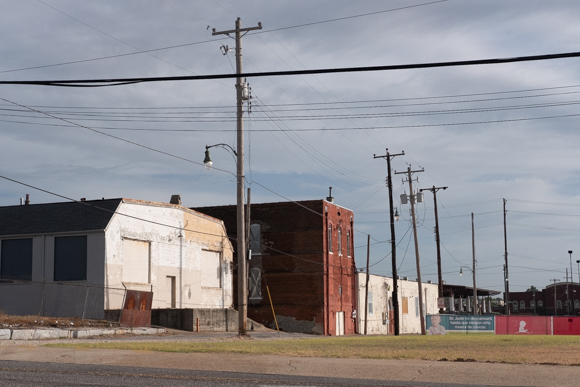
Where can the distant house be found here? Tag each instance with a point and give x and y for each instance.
(79, 258)
(303, 257)
(380, 313)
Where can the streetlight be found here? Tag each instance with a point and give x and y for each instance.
(474, 288)
(240, 234)
(207, 160)
(571, 280)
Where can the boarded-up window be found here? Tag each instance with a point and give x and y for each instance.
(416, 307)
(255, 239)
(370, 301)
(136, 261)
(255, 284)
(16, 259)
(405, 305)
(339, 237)
(70, 258)
(211, 269)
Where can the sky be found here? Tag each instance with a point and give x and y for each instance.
(487, 132)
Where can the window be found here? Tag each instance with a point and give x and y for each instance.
(136, 261)
(255, 239)
(370, 295)
(348, 243)
(339, 242)
(532, 304)
(405, 305)
(540, 304)
(330, 238)
(211, 269)
(522, 305)
(559, 304)
(255, 284)
(576, 304)
(416, 306)
(16, 259)
(70, 258)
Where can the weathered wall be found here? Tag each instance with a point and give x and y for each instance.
(176, 238)
(381, 289)
(210, 320)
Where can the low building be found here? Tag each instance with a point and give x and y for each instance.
(78, 259)
(303, 258)
(379, 311)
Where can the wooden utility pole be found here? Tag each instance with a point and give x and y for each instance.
(367, 282)
(395, 297)
(439, 273)
(413, 198)
(555, 288)
(507, 278)
(241, 96)
(475, 312)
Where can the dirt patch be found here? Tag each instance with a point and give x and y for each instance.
(20, 322)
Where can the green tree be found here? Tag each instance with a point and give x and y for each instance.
(532, 289)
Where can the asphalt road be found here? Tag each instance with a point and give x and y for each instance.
(14, 373)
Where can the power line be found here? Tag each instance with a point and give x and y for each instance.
(127, 81)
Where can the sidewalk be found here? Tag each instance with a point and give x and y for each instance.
(402, 370)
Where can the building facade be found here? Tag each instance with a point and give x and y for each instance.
(78, 259)
(302, 258)
(559, 299)
(379, 313)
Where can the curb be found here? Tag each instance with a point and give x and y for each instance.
(39, 334)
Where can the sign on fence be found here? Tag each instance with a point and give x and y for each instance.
(523, 325)
(441, 324)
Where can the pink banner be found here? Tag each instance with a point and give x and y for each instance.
(523, 325)
(567, 325)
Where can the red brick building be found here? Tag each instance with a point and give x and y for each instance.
(303, 253)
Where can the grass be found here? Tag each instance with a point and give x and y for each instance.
(564, 350)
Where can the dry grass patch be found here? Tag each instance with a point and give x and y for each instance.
(563, 350)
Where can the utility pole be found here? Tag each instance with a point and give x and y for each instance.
(439, 275)
(554, 281)
(507, 278)
(571, 280)
(419, 281)
(395, 298)
(567, 294)
(241, 96)
(475, 312)
(367, 282)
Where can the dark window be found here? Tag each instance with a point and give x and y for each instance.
(348, 243)
(330, 238)
(255, 239)
(16, 257)
(70, 258)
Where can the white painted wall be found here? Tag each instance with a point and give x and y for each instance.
(382, 291)
(170, 255)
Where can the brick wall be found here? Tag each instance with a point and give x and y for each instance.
(308, 285)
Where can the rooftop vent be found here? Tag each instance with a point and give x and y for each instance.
(330, 198)
(175, 199)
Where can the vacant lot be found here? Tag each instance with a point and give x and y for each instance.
(563, 350)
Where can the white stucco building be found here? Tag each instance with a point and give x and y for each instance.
(380, 304)
(77, 259)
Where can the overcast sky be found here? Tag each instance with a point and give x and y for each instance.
(487, 132)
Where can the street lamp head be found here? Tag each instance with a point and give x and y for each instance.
(207, 160)
(460, 271)
(396, 216)
(569, 251)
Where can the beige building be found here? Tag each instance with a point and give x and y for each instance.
(77, 259)
(379, 319)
